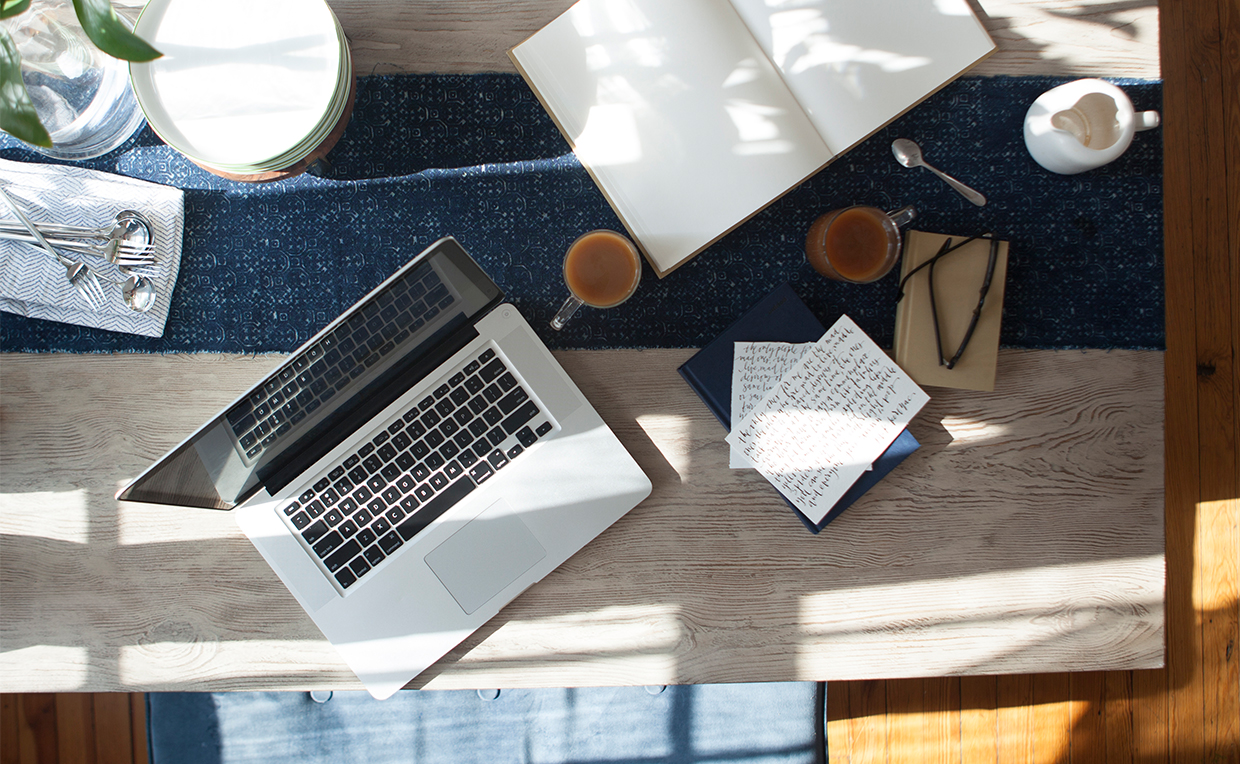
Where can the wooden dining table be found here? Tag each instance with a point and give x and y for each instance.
(1041, 529)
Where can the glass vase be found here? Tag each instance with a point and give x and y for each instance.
(81, 94)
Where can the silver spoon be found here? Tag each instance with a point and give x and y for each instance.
(133, 228)
(138, 292)
(908, 154)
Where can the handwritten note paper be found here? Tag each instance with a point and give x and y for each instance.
(828, 419)
(757, 367)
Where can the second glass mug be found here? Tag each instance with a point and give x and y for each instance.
(602, 269)
(856, 244)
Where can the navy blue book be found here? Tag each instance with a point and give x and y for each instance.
(781, 316)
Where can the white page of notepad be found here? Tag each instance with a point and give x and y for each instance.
(829, 418)
(757, 367)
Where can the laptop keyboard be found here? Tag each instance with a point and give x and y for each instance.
(415, 469)
(325, 368)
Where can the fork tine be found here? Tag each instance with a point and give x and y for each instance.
(83, 292)
(96, 289)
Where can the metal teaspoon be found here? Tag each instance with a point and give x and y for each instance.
(908, 153)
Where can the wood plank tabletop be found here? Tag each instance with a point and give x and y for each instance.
(1025, 535)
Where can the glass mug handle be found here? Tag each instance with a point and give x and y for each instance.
(903, 216)
(566, 312)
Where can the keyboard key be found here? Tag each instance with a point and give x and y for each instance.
(515, 451)
(391, 542)
(314, 532)
(301, 520)
(409, 503)
(315, 508)
(391, 471)
(392, 494)
(291, 507)
(526, 437)
(519, 417)
(359, 566)
(438, 481)
(424, 492)
(346, 578)
(333, 517)
(341, 556)
(381, 526)
(491, 371)
(394, 515)
(374, 555)
(347, 528)
(480, 472)
(512, 400)
(543, 429)
(322, 485)
(329, 542)
(497, 458)
(366, 537)
(376, 482)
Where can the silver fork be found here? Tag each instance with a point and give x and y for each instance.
(84, 282)
(79, 276)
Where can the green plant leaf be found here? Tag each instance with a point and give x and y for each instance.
(10, 8)
(106, 30)
(17, 115)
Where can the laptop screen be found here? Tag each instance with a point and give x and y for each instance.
(332, 385)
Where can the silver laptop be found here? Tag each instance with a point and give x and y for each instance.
(411, 469)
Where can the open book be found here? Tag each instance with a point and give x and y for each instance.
(693, 115)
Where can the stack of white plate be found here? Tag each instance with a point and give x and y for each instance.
(244, 86)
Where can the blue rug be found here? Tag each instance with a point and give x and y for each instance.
(476, 157)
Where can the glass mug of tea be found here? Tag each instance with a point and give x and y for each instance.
(857, 244)
(602, 270)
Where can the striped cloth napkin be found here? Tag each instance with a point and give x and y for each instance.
(33, 284)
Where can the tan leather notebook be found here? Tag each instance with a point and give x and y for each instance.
(958, 279)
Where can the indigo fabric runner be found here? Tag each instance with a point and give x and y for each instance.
(266, 266)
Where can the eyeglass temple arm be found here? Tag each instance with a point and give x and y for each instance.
(981, 302)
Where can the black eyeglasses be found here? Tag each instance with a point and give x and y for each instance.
(945, 250)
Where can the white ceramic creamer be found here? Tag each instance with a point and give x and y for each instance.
(1081, 125)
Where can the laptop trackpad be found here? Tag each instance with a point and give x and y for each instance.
(486, 555)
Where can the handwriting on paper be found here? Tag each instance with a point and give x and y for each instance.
(757, 367)
(828, 419)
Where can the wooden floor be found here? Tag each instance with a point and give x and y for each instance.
(73, 728)
(1189, 711)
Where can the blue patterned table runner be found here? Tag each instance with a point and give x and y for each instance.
(476, 157)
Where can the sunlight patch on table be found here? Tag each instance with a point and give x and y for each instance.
(57, 515)
(671, 434)
(139, 523)
(45, 668)
(1007, 621)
